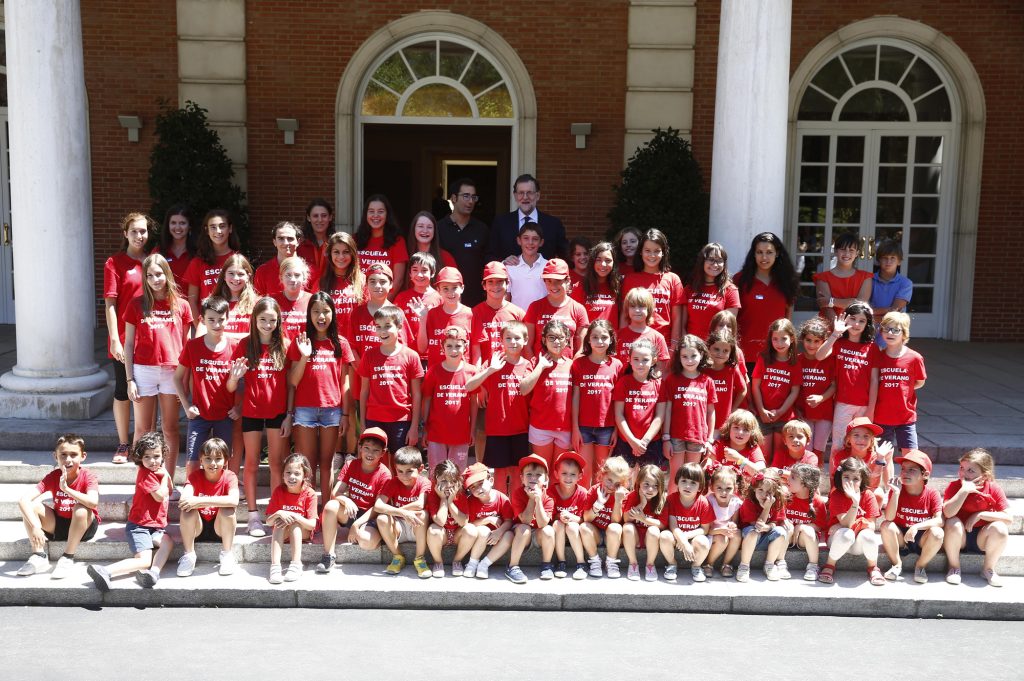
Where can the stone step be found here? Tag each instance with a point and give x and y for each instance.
(365, 586)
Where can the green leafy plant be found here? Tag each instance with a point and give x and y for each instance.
(190, 165)
(662, 188)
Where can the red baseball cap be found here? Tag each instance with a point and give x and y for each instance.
(380, 268)
(474, 474)
(375, 434)
(533, 459)
(556, 268)
(449, 275)
(570, 455)
(918, 457)
(495, 270)
(863, 422)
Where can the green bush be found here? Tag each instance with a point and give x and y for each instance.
(662, 188)
(190, 165)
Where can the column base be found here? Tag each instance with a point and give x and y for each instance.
(38, 398)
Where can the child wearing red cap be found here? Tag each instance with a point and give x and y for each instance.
(490, 513)
(913, 517)
(556, 305)
(389, 395)
(448, 409)
(569, 499)
(861, 443)
(451, 312)
(490, 316)
(533, 510)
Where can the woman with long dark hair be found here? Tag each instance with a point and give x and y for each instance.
(768, 288)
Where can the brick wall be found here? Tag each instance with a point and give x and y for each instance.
(991, 34)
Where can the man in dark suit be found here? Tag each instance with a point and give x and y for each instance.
(526, 190)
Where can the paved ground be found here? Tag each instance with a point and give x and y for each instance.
(371, 644)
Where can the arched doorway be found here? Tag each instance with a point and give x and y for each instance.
(878, 150)
(431, 95)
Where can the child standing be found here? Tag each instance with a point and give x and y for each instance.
(593, 377)
(817, 383)
(653, 271)
(890, 290)
(267, 280)
(602, 512)
(556, 305)
(490, 512)
(342, 279)
(451, 312)
(362, 331)
(207, 506)
(598, 291)
(852, 510)
(806, 514)
(689, 518)
(216, 242)
(708, 291)
(533, 510)
(642, 521)
(977, 516)
(524, 278)
(400, 511)
(850, 339)
(294, 299)
(449, 411)
(897, 373)
(726, 371)
(146, 519)
(73, 517)
(447, 522)
(570, 498)
(417, 300)
(913, 517)
(775, 383)
(389, 396)
(489, 317)
(639, 313)
(725, 533)
(639, 409)
(292, 514)
(761, 520)
(844, 284)
(549, 386)
(691, 396)
(235, 286)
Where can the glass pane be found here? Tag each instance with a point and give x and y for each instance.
(935, 107)
(846, 210)
(893, 150)
(394, 74)
(929, 150)
(893, 63)
(814, 179)
(810, 239)
(920, 79)
(481, 75)
(3, 55)
(806, 301)
(924, 211)
(422, 58)
(812, 209)
(454, 59)
(921, 300)
(923, 240)
(861, 62)
(889, 210)
(893, 233)
(437, 100)
(815, 106)
(3, 89)
(849, 149)
(496, 103)
(815, 149)
(849, 179)
(832, 79)
(921, 270)
(892, 180)
(927, 179)
(874, 105)
(378, 102)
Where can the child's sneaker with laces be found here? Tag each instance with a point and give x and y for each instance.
(920, 575)
(595, 566)
(743, 573)
(470, 569)
(633, 572)
(147, 579)
(396, 564)
(514, 573)
(457, 568)
(953, 576)
(326, 564)
(228, 564)
(255, 527)
(187, 564)
(611, 566)
(560, 571)
(547, 571)
(100, 576)
(34, 564)
(62, 568)
(580, 572)
(811, 573)
(423, 571)
(671, 571)
(782, 567)
(697, 574)
(438, 570)
(651, 573)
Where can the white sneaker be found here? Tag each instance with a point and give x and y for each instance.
(293, 572)
(63, 566)
(482, 571)
(697, 574)
(469, 570)
(187, 564)
(783, 569)
(612, 568)
(771, 572)
(34, 564)
(595, 566)
(256, 528)
(458, 569)
(811, 573)
(228, 564)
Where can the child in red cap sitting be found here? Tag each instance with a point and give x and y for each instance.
(534, 511)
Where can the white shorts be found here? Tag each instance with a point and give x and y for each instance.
(539, 436)
(152, 380)
(406, 533)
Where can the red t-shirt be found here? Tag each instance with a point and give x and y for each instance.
(853, 371)
(727, 380)
(639, 402)
(147, 511)
(601, 304)
(266, 388)
(760, 305)
(375, 252)
(293, 314)
(204, 276)
(314, 255)
(799, 511)
(631, 501)
(575, 503)
(519, 501)
(178, 265)
(839, 503)
(321, 382)
(390, 378)
(345, 301)
(667, 289)
(498, 507)
(209, 371)
(487, 323)
(237, 325)
(303, 503)
(160, 335)
(437, 320)
(431, 299)
(363, 487)
(992, 498)
(897, 398)
(572, 313)
(688, 399)
(603, 519)
(401, 495)
(625, 337)
(777, 380)
(815, 378)
(595, 383)
(433, 506)
(750, 511)
(267, 279)
(551, 397)
(221, 487)
(687, 519)
(703, 304)
(507, 409)
(782, 458)
(874, 469)
(751, 452)
(843, 287)
(63, 503)
(362, 331)
(450, 407)
(915, 508)
(122, 279)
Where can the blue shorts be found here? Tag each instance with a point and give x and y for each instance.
(397, 431)
(765, 538)
(912, 546)
(653, 455)
(971, 546)
(142, 538)
(317, 417)
(597, 435)
(200, 430)
(901, 437)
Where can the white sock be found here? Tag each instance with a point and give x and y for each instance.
(484, 563)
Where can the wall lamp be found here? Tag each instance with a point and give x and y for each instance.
(133, 124)
(288, 126)
(580, 131)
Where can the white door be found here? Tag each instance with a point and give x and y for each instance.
(6, 246)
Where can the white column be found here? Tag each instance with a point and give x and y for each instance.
(748, 172)
(51, 213)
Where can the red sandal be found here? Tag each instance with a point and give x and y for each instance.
(827, 574)
(875, 576)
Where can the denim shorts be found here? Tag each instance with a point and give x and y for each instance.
(766, 538)
(317, 417)
(597, 435)
(142, 538)
(397, 432)
(902, 437)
